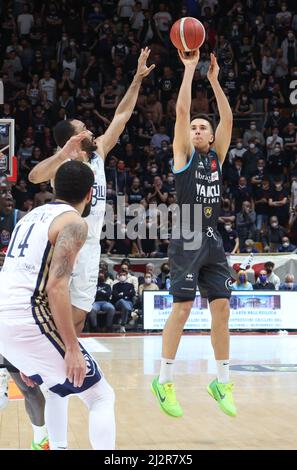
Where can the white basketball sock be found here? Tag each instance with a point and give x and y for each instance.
(166, 370)
(39, 433)
(223, 371)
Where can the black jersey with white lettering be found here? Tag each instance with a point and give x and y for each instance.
(200, 183)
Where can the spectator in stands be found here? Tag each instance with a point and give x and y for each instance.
(286, 246)
(278, 201)
(102, 303)
(251, 158)
(237, 152)
(274, 235)
(242, 282)
(245, 223)
(109, 278)
(249, 247)
(230, 239)
(252, 134)
(272, 140)
(126, 266)
(164, 276)
(243, 192)
(43, 196)
(272, 277)
(149, 270)
(148, 284)
(289, 283)
(263, 282)
(8, 219)
(123, 297)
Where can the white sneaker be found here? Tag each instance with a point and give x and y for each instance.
(3, 388)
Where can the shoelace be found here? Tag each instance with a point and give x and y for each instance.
(170, 395)
(210, 233)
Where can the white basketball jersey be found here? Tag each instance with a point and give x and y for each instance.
(25, 271)
(96, 217)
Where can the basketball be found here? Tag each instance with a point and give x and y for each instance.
(187, 34)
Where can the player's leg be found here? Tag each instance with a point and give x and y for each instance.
(215, 279)
(34, 404)
(183, 288)
(100, 400)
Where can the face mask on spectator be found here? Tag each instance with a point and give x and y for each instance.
(154, 170)
(275, 113)
(239, 145)
(290, 36)
(242, 278)
(263, 278)
(290, 285)
(252, 146)
(253, 127)
(228, 228)
(170, 180)
(286, 244)
(123, 278)
(249, 249)
(274, 224)
(147, 280)
(277, 151)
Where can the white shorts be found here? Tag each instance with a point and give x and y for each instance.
(84, 278)
(41, 356)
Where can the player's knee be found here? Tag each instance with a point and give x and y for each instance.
(220, 309)
(182, 311)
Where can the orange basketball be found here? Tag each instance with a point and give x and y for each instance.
(187, 34)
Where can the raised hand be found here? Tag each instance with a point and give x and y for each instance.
(214, 69)
(72, 148)
(189, 59)
(142, 69)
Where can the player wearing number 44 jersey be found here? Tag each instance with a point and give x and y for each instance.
(37, 333)
(199, 153)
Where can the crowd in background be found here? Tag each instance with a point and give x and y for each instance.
(76, 59)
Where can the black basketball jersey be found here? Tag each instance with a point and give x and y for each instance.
(200, 183)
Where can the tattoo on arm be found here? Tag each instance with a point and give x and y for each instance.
(68, 243)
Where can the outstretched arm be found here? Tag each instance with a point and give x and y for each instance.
(125, 108)
(46, 169)
(224, 129)
(182, 146)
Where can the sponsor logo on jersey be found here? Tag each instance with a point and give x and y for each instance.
(209, 191)
(213, 165)
(215, 176)
(228, 283)
(190, 277)
(99, 193)
(208, 212)
(200, 164)
(200, 176)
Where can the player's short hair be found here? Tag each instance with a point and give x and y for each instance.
(63, 131)
(73, 181)
(206, 118)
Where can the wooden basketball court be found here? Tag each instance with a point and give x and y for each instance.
(265, 393)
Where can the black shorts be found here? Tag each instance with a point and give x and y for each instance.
(206, 268)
